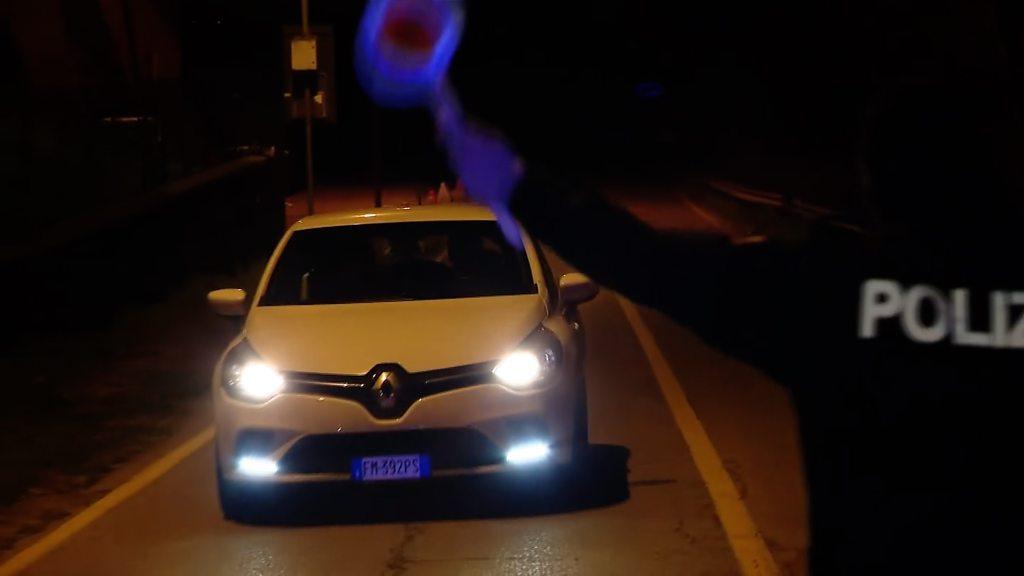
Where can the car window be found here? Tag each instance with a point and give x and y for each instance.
(398, 261)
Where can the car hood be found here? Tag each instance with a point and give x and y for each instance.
(419, 335)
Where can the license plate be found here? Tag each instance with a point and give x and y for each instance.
(398, 467)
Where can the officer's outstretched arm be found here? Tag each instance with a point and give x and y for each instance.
(679, 274)
(733, 297)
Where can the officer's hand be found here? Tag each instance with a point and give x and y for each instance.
(488, 167)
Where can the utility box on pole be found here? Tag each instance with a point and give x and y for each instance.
(303, 54)
(309, 61)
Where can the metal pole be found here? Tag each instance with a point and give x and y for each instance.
(308, 97)
(378, 199)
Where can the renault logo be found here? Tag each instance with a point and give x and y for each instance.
(385, 389)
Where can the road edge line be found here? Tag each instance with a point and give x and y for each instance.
(745, 539)
(112, 499)
(707, 216)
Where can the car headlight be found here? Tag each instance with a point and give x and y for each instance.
(536, 360)
(246, 377)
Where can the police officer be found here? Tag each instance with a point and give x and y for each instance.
(899, 347)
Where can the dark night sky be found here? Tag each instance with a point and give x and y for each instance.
(776, 93)
(737, 78)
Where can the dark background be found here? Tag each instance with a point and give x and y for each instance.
(778, 95)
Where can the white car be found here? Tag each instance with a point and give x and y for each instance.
(399, 344)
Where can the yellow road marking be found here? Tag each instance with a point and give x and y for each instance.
(134, 485)
(745, 539)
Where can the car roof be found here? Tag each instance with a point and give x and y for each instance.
(428, 213)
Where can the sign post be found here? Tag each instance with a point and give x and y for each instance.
(308, 98)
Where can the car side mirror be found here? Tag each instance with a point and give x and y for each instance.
(575, 289)
(227, 302)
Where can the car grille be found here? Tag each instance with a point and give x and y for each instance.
(406, 390)
(447, 448)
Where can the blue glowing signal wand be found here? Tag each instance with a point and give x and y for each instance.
(402, 54)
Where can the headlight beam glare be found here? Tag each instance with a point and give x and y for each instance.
(527, 453)
(520, 368)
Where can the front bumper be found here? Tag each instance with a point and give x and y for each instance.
(464, 431)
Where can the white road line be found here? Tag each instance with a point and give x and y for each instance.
(707, 216)
(78, 522)
(745, 539)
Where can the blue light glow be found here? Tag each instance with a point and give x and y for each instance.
(403, 49)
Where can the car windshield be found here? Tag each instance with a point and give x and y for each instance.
(398, 261)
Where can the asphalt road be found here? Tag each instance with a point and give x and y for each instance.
(644, 504)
